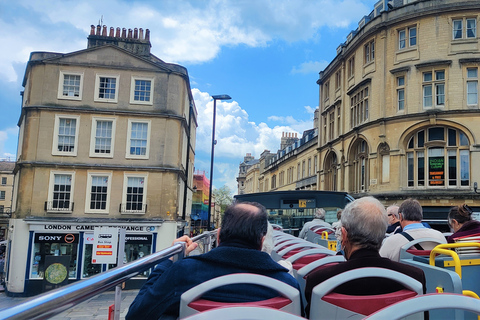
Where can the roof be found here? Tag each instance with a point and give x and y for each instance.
(7, 166)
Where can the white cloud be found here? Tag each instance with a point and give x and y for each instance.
(310, 67)
(236, 136)
(181, 31)
(8, 142)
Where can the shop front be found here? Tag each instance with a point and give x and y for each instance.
(61, 253)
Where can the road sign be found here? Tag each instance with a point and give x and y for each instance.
(105, 245)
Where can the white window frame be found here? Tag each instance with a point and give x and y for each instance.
(463, 28)
(132, 90)
(95, 120)
(473, 80)
(3, 194)
(407, 38)
(124, 194)
(435, 84)
(51, 185)
(55, 150)
(400, 88)
(97, 87)
(60, 85)
(129, 136)
(369, 52)
(90, 175)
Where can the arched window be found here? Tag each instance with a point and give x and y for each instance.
(438, 157)
(359, 167)
(331, 172)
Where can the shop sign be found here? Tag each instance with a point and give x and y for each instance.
(105, 242)
(90, 227)
(56, 238)
(436, 171)
(129, 238)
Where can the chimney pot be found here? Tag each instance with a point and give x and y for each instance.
(112, 31)
(92, 30)
(104, 31)
(124, 33)
(129, 34)
(117, 33)
(141, 34)
(147, 34)
(99, 27)
(135, 33)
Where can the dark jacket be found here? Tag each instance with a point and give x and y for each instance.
(394, 226)
(469, 228)
(363, 258)
(160, 295)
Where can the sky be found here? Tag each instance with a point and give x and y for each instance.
(265, 54)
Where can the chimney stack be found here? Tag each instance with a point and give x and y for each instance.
(132, 41)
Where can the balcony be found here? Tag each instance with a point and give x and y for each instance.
(59, 206)
(133, 208)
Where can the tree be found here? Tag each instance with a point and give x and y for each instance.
(223, 197)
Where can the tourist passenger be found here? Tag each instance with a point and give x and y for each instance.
(364, 222)
(461, 222)
(393, 220)
(240, 242)
(318, 220)
(411, 215)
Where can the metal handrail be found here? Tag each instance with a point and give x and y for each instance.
(56, 301)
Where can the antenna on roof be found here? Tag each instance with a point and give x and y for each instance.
(100, 22)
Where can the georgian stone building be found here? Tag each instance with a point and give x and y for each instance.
(399, 106)
(398, 112)
(107, 138)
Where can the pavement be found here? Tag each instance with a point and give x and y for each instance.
(95, 308)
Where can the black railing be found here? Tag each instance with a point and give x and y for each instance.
(60, 206)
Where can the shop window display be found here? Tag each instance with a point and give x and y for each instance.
(54, 245)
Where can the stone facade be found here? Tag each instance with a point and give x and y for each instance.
(106, 138)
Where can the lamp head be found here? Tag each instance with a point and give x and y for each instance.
(221, 97)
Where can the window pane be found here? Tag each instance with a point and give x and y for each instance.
(436, 133)
(61, 191)
(440, 75)
(401, 99)
(138, 141)
(98, 193)
(413, 36)
(436, 167)
(452, 137)
(107, 87)
(457, 29)
(410, 143)
(440, 94)
(472, 92)
(421, 139)
(142, 90)
(135, 186)
(452, 167)
(400, 81)
(71, 85)
(464, 167)
(421, 168)
(410, 169)
(103, 137)
(401, 39)
(471, 28)
(463, 139)
(427, 96)
(427, 76)
(472, 72)
(66, 134)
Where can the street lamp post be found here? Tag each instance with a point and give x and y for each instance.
(215, 98)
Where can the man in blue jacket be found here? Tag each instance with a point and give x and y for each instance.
(240, 241)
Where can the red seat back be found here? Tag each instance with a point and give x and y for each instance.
(416, 252)
(367, 305)
(303, 261)
(203, 305)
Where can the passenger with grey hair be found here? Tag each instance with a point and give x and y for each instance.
(393, 220)
(319, 220)
(411, 214)
(364, 222)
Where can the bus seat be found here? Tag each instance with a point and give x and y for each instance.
(432, 301)
(408, 250)
(302, 258)
(288, 300)
(244, 313)
(300, 246)
(301, 273)
(328, 305)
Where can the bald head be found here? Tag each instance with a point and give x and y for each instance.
(365, 221)
(244, 223)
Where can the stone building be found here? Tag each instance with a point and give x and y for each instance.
(107, 138)
(399, 105)
(398, 112)
(6, 195)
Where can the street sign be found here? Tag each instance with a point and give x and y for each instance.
(105, 245)
(302, 203)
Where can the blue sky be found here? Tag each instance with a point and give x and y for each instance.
(265, 54)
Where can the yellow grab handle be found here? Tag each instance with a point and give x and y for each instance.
(325, 235)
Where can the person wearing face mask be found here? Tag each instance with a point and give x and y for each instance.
(461, 222)
(364, 222)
